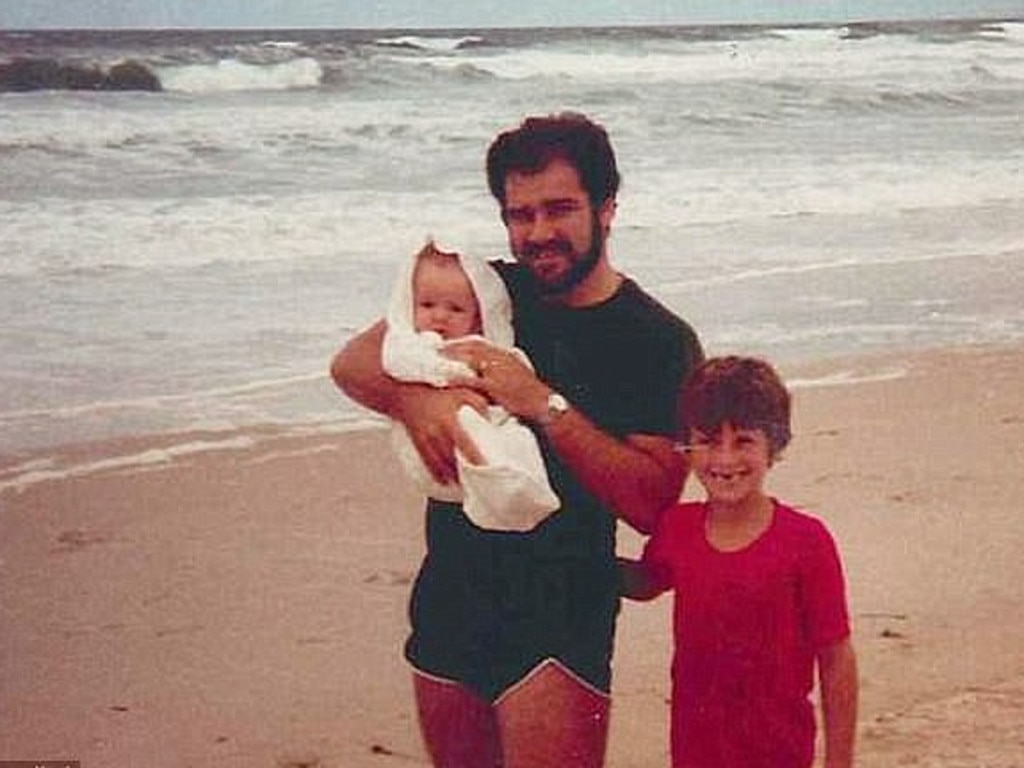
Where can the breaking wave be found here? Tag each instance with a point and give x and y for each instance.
(945, 56)
(234, 75)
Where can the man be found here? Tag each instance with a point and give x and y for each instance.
(512, 633)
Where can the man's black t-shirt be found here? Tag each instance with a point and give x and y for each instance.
(488, 606)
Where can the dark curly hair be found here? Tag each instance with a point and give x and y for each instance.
(570, 136)
(743, 391)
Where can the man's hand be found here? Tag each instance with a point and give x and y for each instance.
(636, 476)
(429, 417)
(502, 376)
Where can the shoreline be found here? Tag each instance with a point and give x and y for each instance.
(56, 461)
(240, 598)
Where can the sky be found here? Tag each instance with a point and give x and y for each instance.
(35, 14)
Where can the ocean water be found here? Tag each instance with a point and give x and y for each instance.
(191, 258)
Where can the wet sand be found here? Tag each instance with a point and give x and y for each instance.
(219, 599)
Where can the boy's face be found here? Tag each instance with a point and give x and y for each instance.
(443, 300)
(731, 463)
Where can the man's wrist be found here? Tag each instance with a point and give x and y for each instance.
(555, 407)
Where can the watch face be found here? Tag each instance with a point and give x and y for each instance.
(557, 404)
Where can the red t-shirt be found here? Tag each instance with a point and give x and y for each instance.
(747, 627)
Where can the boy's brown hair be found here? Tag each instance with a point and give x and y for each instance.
(743, 391)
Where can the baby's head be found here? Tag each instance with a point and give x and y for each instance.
(744, 392)
(442, 295)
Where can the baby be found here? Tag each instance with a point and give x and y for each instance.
(441, 297)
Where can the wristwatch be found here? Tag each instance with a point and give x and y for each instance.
(556, 407)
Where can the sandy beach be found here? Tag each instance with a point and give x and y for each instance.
(239, 599)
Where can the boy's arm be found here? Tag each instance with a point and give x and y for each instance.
(637, 580)
(428, 413)
(837, 670)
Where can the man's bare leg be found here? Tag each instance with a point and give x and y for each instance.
(553, 719)
(458, 727)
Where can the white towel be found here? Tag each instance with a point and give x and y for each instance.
(510, 491)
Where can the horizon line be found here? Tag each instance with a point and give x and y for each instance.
(442, 28)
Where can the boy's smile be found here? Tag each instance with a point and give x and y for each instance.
(731, 464)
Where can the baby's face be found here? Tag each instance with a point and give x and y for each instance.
(443, 300)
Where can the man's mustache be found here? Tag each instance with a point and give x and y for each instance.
(557, 245)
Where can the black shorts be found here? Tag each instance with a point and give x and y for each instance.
(488, 607)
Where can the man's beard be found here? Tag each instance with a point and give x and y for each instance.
(581, 264)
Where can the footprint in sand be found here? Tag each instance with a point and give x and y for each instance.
(183, 629)
(77, 539)
(906, 497)
(887, 632)
(380, 749)
(306, 761)
(390, 578)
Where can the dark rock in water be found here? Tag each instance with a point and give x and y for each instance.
(24, 74)
(79, 78)
(27, 74)
(39, 74)
(131, 76)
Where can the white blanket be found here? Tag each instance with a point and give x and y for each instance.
(510, 490)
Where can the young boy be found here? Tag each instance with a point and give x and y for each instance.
(759, 590)
(442, 297)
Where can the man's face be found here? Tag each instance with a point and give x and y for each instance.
(552, 228)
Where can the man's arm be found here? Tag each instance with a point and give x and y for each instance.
(428, 413)
(636, 477)
(358, 372)
(837, 670)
